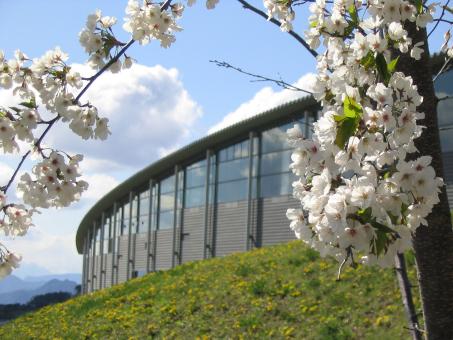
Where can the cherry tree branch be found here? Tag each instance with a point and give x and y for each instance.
(406, 294)
(296, 36)
(444, 98)
(259, 78)
(440, 19)
(443, 69)
(91, 80)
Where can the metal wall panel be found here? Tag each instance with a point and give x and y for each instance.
(164, 249)
(231, 228)
(141, 249)
(89, 277)
(108, 270)
(122, 259)
(275, 225)
(193, 234)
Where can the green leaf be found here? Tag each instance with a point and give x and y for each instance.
(368, 61)
(346, 127)
(351, 108)
(31, 104)
(348, 123)
(2, 114)
(381, 227)
(15, 109)
(419, 6)
(391, 66)
(365, 214)
(379, 243)
(381, 65)
(353, 13)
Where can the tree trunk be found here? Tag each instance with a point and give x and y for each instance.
(433, 243)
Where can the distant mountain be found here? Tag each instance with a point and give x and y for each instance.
(24, 295)
(76, 277)
(30, 269)
(13, 283)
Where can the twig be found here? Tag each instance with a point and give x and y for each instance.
(296, 36)
(444, 98)
(443, 68)
(258, 77)
(406, 295)
(440, 19)
(340, 269)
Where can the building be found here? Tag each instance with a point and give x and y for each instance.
(224, 193)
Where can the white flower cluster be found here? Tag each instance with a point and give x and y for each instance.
(147, 22)
(448, 50)
(54, 183)
(98, 40)
(16, 218)
(52, 79)
(359, 194)
(8, 261)
(282, 11)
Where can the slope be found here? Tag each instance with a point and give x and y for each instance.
(284, 291)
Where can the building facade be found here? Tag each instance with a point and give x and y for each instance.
(225, 193)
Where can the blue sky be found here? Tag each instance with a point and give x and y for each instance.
(171, 98)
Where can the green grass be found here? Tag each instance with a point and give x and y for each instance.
(278, 292)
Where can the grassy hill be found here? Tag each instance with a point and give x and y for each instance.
(277, 292)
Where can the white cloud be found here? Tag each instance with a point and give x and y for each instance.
(148, 109)
(5, 173)
(265, 99)
(56, 253)
(99, 185)
(150, 113)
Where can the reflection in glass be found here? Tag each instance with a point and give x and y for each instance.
(166, 203)
(277, 185)
(275, 162)
(232, 191)
(194, 197)
(234, 169)
(166, 220)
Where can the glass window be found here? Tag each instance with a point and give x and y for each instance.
(106, 233)
(277, 185)
(275, 139)
(232, 191)
(144, 205)
(125, 219)
(143, 224)
(444, 110)
(235, 169)
(166, 203)
(167, 184)
(166, 219)
(194, 197)
(446, 139)
(275, 162)
(196, 174)
(98, 239)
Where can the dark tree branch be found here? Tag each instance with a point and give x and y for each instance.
(258, 77)
(406, 295)
(296, 36)
(444, 98)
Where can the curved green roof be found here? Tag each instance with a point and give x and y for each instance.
(184, 155)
